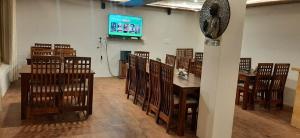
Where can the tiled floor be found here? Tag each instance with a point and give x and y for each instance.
(116, 117)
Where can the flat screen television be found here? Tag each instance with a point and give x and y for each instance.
(125, 26)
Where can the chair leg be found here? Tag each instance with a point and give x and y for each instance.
(169, 124)
(194, 118)
(237, 97)
(157, 117)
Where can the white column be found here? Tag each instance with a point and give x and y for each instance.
(219, 78)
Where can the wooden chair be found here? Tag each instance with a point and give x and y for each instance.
(41, 52)
(189, 53)
(169, 101)
(262, 83)
(43, 45)
(155, 88)
(184, 52)
(259, 91)
(199, 56)
(195, 68)
(278, 82)
(65, 52)
(245, 64)
(142, 83)
(62, 46)
(44, 95)
(132, 86)
(170, 60)
(76, 83)
(142, 54)
(183, 63)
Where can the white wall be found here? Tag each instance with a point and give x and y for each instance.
(82, 22)
(272, 34)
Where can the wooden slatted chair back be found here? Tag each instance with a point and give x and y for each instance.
(76, 83)
(45, 81)
(170, 60)
(278, 82)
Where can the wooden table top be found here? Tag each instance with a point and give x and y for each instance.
(248, 74)
(191, 82)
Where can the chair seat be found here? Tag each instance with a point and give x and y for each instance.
(189, 100)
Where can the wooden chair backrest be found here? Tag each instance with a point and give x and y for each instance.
(189, 53)
(75, 91)
(41, 52)
(62, 46)
(195, 68)
(155, 83)
(263, 77)
(245, 64)
(44, 91)
(141, 76)
(183, 63)
(132, 73)
(142, 54)
(43, 45)
(278, 82)
(199, 56)
(167, 99)
(65, 52)
(170, 60)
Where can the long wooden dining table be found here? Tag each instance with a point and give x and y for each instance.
(25, 73)
(185, 87)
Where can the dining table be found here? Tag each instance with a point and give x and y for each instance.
(185, 87)
(25, 73)
(248, 78)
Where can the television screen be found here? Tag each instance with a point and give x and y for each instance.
(126, 26)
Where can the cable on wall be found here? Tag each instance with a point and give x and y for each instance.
(107, 58)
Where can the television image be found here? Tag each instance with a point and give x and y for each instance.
(125, 26)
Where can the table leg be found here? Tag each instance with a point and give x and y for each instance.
(24, 95)
(91, 90)
(246, 95)
(182, 112)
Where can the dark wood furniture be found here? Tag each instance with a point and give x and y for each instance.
(132, 83)
(199, 56)
(258, 91)
(26, 85)
(248, 79)
(43, 45)
(183, 63)
(245, 64)
(155, 88)
(44, 93)
(142, 83)
(262, 82)
(184, 87)
(170, 101)
(41, 52)
(170, 60)
(167, 105)
(142, 54)
(195, 68)
(65, 52)
(277, 86)
(76, 84)
(185, 52)
(62, 46)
